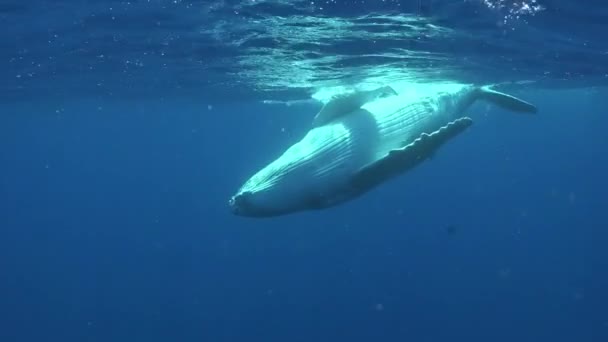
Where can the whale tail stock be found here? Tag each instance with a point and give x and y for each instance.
(506, 101)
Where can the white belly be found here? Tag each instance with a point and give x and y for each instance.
(339, 149)
(379, 127)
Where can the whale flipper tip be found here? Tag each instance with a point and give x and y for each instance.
(507, 101)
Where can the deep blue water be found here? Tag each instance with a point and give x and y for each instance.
(126, 126)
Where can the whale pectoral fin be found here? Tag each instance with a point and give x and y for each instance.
(343, 104)
(407, 157)
(506, 101)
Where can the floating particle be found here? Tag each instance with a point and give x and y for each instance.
(504, 273)
(572, 197)
(451, 229)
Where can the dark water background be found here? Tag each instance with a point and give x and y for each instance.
(113, 217)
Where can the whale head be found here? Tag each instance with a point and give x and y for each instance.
(308, 175)
(284, 186)
(280, 188)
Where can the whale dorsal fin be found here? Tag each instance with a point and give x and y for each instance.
(343, 104)
(405, 158)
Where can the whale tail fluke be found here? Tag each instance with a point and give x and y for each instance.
(506, 101)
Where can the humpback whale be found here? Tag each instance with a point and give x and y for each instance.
(360, 141)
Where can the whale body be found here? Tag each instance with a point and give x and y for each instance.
(357, 143)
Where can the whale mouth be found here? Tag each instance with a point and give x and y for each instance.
(239, 205)
(233, 204)
(244, 204)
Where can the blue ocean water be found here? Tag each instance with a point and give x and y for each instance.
(125, 127)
